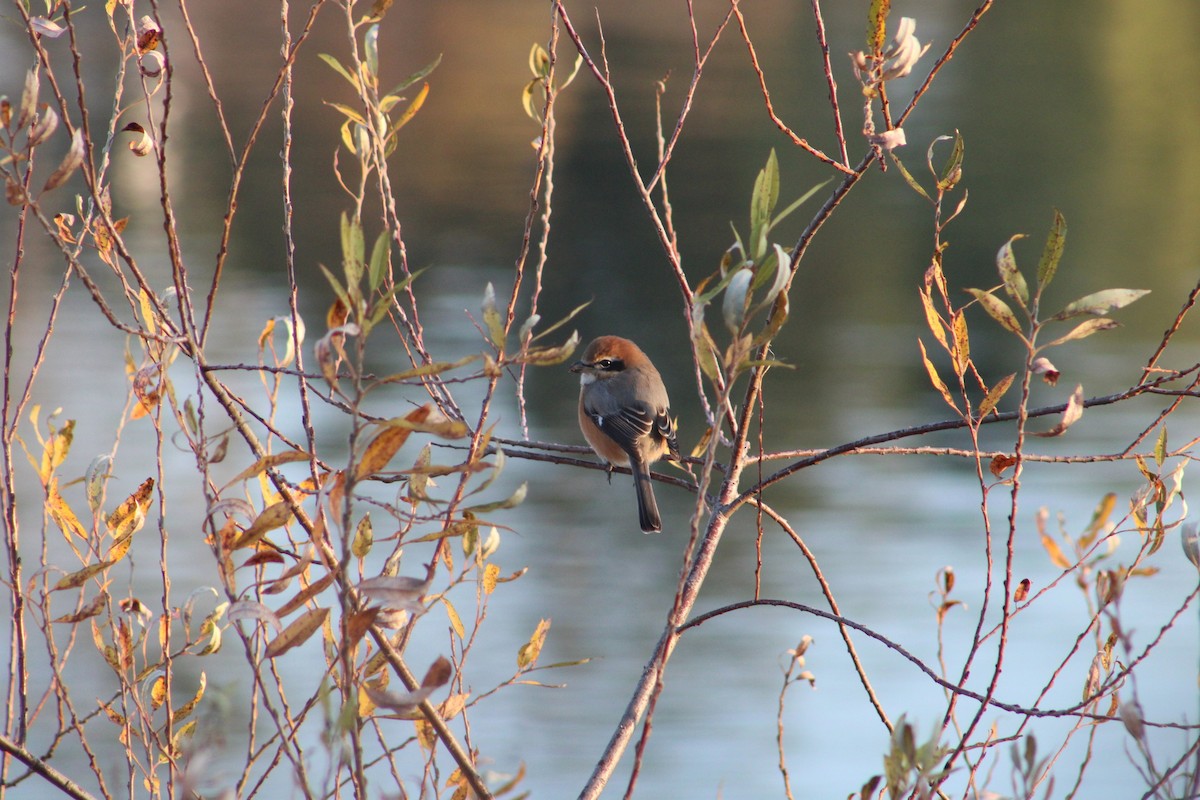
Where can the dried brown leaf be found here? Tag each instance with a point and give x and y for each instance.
(1042, 366)
(298, 632)
(92, 609)
(1000, 463)
(306, 594)
(70, 162)
(389, 440)
(438, 674)
(1070, 415)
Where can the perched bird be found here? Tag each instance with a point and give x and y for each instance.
(625, 414)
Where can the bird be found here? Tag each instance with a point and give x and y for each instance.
(625, 415)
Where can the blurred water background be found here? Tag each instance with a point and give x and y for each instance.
(1072, 105)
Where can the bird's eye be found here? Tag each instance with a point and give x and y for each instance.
(605, 363)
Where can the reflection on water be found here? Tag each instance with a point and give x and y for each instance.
(1050, 120)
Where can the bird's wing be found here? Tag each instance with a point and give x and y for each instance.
(664, 427)
(626, 427)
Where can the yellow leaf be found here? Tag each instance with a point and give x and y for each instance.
(455, 621)
(932, 319)
(453, 706)
(118, 549)
(131, 514)
(490, 573)
(113, 716)
(273, 516)
(994, 394)
(56, 448)
(364, 536)
(268, 462)
(185, 732)
(425, 734)
(1099, 519)
(935, 379)
(962, 344)
(1056, 555)
(77, 579)
(409, 112)
(529, 652)
(158, 692)
(61, 513)
(186, 710)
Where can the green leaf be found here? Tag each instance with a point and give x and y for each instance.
(348, 128)
(1084, 329)
(539, 61)
(513, 500)
(527, 100)
(381, 304)
(574, 72)
(952, 169)
(550, 356)
(350, 113)
(1160, 447)
(339, 69)
(1014, 281)
(908, 178)
(706, 349)
(379, 259)
(1101, 302)
(929, 153)
(780, 272)
(574, 313)
(1055, 242)
(491, 316)
(337, 286)
(775, 320)
(727, 256)
(352, 251)
(762, 203)
(796, 204)
(998, 310)
(434, 368)
(417, 76)
(706, 296)
(371, 50)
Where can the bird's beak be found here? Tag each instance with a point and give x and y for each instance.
(578, 366)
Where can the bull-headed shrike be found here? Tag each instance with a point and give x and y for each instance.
(625, 414)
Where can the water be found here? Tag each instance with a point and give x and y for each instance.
(1058, 107)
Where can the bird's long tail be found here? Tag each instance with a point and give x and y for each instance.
(647, 508)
